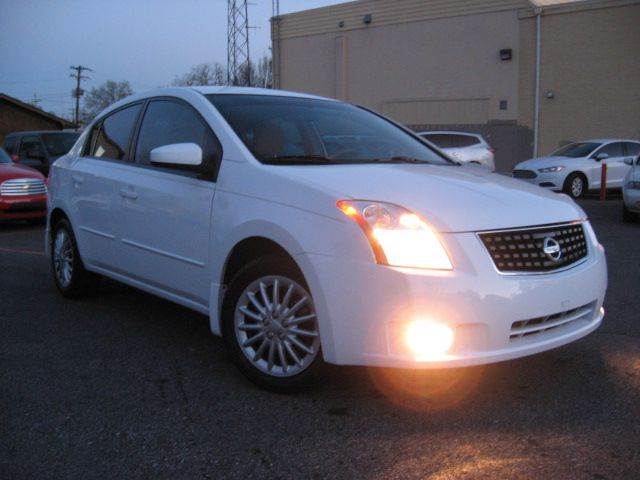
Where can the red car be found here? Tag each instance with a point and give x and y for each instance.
(23, 191)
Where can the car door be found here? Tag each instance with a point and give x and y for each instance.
(631, 152)
(31, 152)
(165, 212)
(94, 178)
(616, 168)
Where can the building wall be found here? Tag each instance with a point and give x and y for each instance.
(591, 63)
(441, 71)
(16, 119)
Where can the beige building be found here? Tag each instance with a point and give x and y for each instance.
(472, 65)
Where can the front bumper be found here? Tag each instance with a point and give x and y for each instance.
(19, 208)
(552, 180)
(363, 307)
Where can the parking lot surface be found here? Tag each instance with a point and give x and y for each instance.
(125, 385)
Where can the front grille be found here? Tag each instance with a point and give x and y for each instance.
(524, 174)
(522, 251)
(22, 187)
(534, 326)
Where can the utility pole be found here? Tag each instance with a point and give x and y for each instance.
(78, 92)
(35, 101)
(238, 62)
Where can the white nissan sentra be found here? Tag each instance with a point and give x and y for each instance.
(308, 229)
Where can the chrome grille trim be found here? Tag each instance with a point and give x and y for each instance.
(524, 328)
(19, 187)
(520, 251)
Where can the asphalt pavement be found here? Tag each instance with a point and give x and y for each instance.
(126, 385)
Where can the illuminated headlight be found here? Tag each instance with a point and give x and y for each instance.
(397, 236)
(428, 340)
(633, 185)
(551, 169)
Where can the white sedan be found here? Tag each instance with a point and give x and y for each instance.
(463, 147)
(308, 229)
(577, 167)
(631, 192)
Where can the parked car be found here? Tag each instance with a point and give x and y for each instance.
(39, 149)
(228, 201)
(631, 192)
(463, 147)
(577, 167)
(23, 193)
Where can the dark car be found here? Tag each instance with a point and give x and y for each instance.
(39, 149)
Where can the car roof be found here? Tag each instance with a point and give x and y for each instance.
(38, 132)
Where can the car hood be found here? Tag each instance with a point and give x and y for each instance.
(542, 162)
(9, 171)
(452, 198)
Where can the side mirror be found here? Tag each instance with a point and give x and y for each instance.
(15, 158)
(629, 161)
(177, 154)
(601, 156)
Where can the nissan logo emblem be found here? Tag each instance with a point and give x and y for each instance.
(551, 249)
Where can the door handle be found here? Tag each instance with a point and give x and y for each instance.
(77, 179)
(130, 194)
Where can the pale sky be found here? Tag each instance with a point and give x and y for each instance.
(147, 42)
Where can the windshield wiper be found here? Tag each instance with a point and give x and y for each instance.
(299, 159)
(400, 159)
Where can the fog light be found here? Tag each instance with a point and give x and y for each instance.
(428, 340)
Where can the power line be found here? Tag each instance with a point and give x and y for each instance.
(78, 92)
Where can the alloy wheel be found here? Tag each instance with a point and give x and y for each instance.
(63, 257)
(276, 327)
(576, 186)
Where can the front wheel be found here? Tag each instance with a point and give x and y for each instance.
(270, 326)
(627, 215)
(575, 185)
(69, 273)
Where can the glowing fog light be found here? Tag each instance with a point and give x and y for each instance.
(428, 340)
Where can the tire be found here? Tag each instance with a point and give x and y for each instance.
(269, 350)
(69, 274)
(575, 185)
(627, 215)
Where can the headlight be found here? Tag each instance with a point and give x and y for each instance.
(633, 185)
(550, 169)
(397, 236)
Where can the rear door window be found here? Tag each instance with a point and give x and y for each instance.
(113, 137)
(449, 140)
(632, 149)
(612, 149)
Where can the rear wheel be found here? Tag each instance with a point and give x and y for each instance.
(575, 185)
(270, 326)
(69, 273)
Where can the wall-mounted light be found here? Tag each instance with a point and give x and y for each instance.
(506, 54)
(367, 19)
(341, 24)
(550, 95)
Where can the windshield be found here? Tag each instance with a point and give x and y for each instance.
(59, 143)
(576, 150)
(292, 130)
(4, 156)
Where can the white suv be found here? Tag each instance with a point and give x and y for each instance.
(309, 229)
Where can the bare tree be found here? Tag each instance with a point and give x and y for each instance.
(203, 74)
(102, 96)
